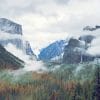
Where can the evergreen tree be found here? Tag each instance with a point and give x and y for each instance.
(96, 93)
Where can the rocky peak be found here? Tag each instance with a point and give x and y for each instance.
(74, 52)
(74, 43)
(10, 26)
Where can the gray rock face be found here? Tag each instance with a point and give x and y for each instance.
(12, 33)
(74, 53)
(9, 61)
(29, 51)
(16, 42)
(74, 43)
(28, 48)
(10, 26)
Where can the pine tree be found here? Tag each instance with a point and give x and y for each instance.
(77, 92)
(96, 93)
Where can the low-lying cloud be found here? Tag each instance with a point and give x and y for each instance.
(30, 65)
(95, 47)
(6, 36)
(46, 21)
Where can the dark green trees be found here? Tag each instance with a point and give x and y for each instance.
(96, 92)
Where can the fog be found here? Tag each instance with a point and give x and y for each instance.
(95, 47)
(5, 36)
(30, 64)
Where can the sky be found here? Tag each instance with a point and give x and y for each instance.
(45, 21)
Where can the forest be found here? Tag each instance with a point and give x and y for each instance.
(69, 82)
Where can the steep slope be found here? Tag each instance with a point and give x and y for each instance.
(9, 61)
(10, 26)
(75, 53)
(29, 50)
(11, 33)
(53, 50)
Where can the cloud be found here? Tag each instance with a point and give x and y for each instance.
(62, 1)
(6, 36)
(70, 15)
(44, 21)
(95, 47)
(76, 15)
(30, 65)
(20, 7)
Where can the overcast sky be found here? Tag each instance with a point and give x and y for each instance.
(45, 21)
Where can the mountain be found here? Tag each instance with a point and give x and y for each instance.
(11, 33)
(74, 52)
(70, 52)
(9, 61)
(10, 26)
(52, 51)
(29, 50)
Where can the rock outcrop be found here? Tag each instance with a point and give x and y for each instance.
(12, 34)
(75, 53)
(10, 26)
(9, 61)
(53, 50)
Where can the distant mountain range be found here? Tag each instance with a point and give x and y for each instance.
(76, 52)
(9, 61)
(72, 51)
(64, 51)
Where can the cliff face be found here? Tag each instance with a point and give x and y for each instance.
(29, 51)
(12, 33)
(10, 26)
(70, 52)
(9, 61)
(53, 50)
(74, 52)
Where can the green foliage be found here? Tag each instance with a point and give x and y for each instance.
(69, 82)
